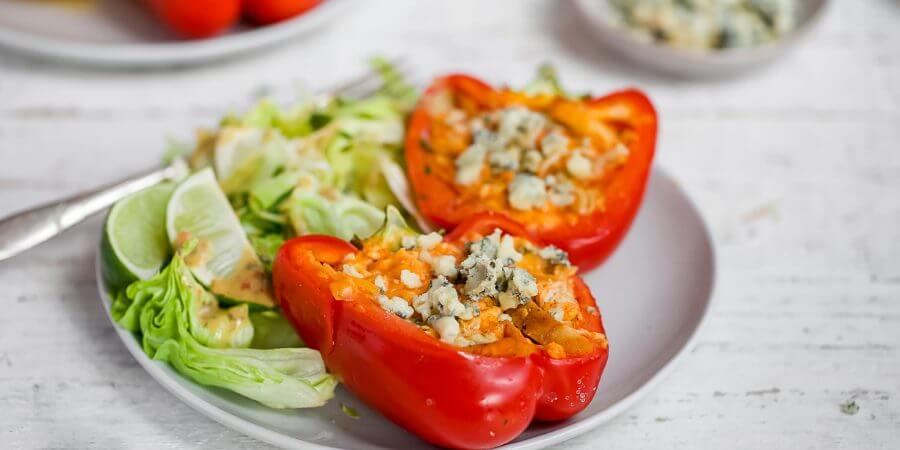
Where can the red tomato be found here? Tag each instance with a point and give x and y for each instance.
(197, 18)
(264, 12)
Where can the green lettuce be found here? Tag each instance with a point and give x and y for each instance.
(272, 330)
(545, 83)
(179, 322)
(394, 229)
(315, 167)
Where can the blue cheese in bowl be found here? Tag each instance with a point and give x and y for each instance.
(705, 25)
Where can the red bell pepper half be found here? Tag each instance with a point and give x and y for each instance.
(432, 144)
(440, 392)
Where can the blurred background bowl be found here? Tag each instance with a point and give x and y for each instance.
(684, 63)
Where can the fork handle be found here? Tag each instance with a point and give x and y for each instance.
(25, 229)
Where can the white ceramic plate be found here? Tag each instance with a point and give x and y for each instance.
(694, 64)
(654, 294)
(119, 33)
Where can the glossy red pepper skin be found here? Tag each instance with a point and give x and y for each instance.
(445, 396)
(591, 239)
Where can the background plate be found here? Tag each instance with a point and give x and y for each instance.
(121, 33)
(653, 293)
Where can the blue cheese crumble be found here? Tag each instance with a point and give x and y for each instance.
(396, 306)
(579, 166)
(554, 255)
(469, 164)
(540, 156)
(527, 192)
(488, 273)
(350, 270)
(410, 279)
(441, 299)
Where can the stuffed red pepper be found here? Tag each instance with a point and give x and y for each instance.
(572, 170)
(462, 340)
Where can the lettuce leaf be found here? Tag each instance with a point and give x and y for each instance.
(272, 330)
(180, 323)
(546, 82)
(313, 167)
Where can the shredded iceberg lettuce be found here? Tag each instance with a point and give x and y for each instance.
(311, 168)
(179, 322)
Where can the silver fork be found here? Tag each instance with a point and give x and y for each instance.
(26, 229)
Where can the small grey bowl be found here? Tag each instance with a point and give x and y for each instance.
(684, 63)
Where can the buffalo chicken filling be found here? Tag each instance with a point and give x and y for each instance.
(546, 157)
(497, 294)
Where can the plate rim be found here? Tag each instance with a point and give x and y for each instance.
(173, 53)
(227, 419)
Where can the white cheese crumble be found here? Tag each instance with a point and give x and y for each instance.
(527, 192)
(507, 253)
(380, 283)
(469, 165)
(350, 270)
(520, 126)
(441, 299)
(503, 317)
(428, 241)
(558, 313)
(507, 300)
(579, 166)
(481, 268)
(447, 328)
(531, 161)
(396, 306)
(554, 143)
(561, 191)
(504, 160)
(444, 265)
(554, 255)
(521, 287)
(410, 279)
(408, 242)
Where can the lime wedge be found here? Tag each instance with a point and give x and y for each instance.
(224, 260)
(134, 244)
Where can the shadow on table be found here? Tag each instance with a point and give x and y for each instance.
(565, 24)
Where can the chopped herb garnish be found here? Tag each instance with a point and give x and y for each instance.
(318, 120)
(850, 407)
(352, 413)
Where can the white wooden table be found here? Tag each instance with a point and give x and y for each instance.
(796, 168)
